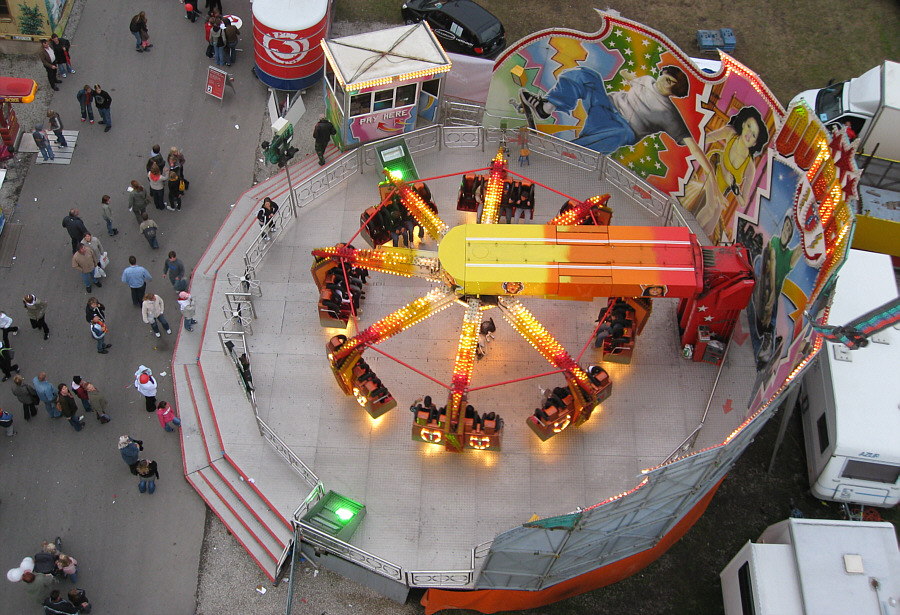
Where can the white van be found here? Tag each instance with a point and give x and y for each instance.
(850, 399)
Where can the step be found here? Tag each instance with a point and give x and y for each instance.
(211, 488)
(271, 523)
(201, 443)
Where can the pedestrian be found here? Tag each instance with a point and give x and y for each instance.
(266, 217)
(155, 156)
(167, 416)
(175, 192)
(152, 311)
(186, 305)
(322, 135)
(56, 604)
(42, 142)
(93, 244)
(190, 12)
(79, 600)
(36, 310)
(7, 353)
(85, 263)
(7, 327)
(74, 225)
(130, 449)
(145, 384)
(67, 406)
(67, 567)
(217, 40)
(55, 124)
(103, 100)
(47, 393)
(149, 230)
(157, 185)
(78, 390)
(85, 97)
(214, 7)
(232, 36)
(106, 212)
(138, 200)
(49, 60)
(174, 268)
(136, 277)
(6, 422)
(148, 473)
(175, 161)
(94, 308)
(38, 583)
(99, 403)
(98, 332)
(61, 48)
(138, 28)
(26, 395)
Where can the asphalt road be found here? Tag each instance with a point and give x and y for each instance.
(137, 553)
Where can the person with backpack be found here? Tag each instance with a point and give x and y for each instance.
(26, 395)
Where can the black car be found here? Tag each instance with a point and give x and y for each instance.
(461, 25)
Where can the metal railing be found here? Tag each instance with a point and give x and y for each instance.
(287, 454)
(641, 192)
(420, 140)
(344, 550)
(456, 113)
(463, 136)
(563, 151)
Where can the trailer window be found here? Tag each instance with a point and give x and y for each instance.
(875, 472)
(745, 586)
(822, 428)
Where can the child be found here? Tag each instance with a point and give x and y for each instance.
(6, 422)
(186, 304)
(67, 566)
(166, 416)
(174, 191)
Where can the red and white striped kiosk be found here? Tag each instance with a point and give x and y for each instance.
(286, 35)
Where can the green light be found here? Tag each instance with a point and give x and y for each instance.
(396, 174)
(344, 514)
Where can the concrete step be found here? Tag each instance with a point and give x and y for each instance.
(213, 490)
(201, 443)
(271, 524)
(262, 542)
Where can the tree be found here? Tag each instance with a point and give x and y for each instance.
(31, 21)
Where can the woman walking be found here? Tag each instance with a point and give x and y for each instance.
(152, 311)
(138, 200)
(36, 310)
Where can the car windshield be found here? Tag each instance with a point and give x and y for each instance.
(828, 102)
(490, 32)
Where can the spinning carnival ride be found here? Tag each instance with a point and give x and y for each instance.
(576, 256)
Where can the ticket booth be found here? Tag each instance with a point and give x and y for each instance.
(13, 90)
(378, 83)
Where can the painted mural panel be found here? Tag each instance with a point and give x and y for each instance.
(720, 143)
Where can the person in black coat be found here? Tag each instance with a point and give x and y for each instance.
(322, 135)
(75, 227)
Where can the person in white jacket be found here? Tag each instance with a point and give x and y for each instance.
(145, 384)
(152, 311)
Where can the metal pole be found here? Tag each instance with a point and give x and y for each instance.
(287, 173)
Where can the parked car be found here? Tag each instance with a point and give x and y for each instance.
(461, 25)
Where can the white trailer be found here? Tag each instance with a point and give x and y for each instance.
(850, 399)
(816, 567)
(870, 102)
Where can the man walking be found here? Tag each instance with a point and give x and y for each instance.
(174, 268)
(106, 212)
(42, 142)
(103, 100)
(136, 277)
(47, 394)
(85, 263)
(75, 227)
(49, 60)
(322, 134)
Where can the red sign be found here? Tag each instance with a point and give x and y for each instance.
(215, 82)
